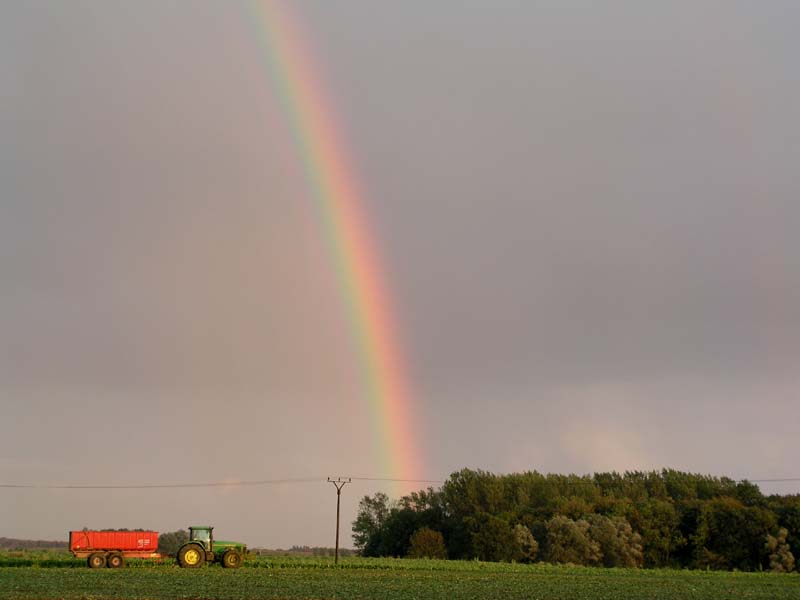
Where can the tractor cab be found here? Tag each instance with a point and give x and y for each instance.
(202, 535)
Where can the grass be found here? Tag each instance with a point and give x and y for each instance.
(356, 578)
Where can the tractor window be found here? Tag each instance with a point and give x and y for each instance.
(201, 535)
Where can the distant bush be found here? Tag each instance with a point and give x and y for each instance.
(169, 543)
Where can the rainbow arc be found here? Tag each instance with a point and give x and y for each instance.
(339, 206)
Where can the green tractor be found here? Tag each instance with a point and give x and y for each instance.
(202, 547)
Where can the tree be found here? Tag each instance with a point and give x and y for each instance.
(661, 535)
(619, 544)
(748, 494)
(372, 514)
(394, 536)
(568, 541)
(526, 545)
(730, 535)
(493, 539)
(781, 559)
(575, 507)
(787, 509)
(427, 543)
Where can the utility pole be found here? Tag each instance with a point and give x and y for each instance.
(339, 483)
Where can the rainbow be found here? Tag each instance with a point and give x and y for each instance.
(338, 204)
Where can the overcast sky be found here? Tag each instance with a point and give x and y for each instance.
(588, 211)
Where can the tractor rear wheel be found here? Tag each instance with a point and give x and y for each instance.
(231, 559)
(115, 561)
(96, 561)
(191, 556)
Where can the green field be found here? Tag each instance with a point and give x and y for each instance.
(46, 576)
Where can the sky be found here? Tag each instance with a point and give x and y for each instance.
(587, 215)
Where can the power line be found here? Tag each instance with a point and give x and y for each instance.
(397, 480)
(148, 486)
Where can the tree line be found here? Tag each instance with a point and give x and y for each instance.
(661, 518)
(319, 551)
(17, 544)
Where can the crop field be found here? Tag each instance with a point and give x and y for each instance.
(26, 577)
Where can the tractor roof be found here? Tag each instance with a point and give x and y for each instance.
(200, 527)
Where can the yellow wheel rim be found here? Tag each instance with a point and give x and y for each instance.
(191, 557)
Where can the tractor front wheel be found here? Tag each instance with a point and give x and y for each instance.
(231, 559)
(191, 556)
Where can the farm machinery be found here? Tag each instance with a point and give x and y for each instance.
(112, 548)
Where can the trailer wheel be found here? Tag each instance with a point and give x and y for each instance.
(115, 561)
(96, 561)
(231, 559)
(191, 556)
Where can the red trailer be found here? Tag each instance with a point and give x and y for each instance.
(111, 548)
